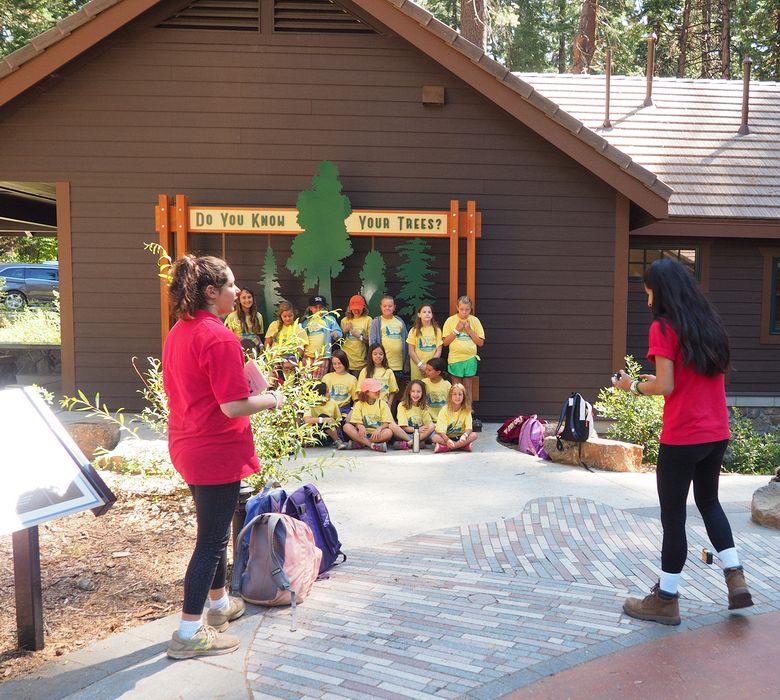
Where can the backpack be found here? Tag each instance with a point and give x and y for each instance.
(510, 429)
(306, 504)
(576, 421)
(531, 440)
(281, 563)
(267, 501)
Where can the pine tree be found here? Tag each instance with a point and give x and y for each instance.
(416, 275)
(373, 278)
(269, 285)
(318, 251)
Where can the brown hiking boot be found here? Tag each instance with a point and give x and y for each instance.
(739, 593)
(220, 618)
(654, 608)
(206, 642)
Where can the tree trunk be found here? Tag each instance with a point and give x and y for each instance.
(473, 25)
(585, 40)
(685, 31)
(706, 39)
(725, 39)
(561, 36)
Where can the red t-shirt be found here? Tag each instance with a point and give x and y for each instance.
(695, 411)
(203, 367)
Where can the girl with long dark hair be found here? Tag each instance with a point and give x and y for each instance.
(690, 349)
(210, 441)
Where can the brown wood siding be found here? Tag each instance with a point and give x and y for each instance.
(735, 288)
(246, 120)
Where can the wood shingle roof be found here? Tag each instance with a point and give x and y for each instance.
(689, 137)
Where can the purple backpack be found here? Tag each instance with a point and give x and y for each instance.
(531, 440)
(306, 504)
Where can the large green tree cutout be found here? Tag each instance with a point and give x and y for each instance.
(318, 251)
(269, 284)
(416, 275)
(373, 278)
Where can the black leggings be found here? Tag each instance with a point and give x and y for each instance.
(678, 466)
(214, 507)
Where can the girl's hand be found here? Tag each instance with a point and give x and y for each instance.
(450, 443)
(624, 382)
(347, 327)
(647, 377)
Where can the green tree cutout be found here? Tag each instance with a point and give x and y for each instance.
(415, 274)
(269, 284)
(373, 278)
(318, 251)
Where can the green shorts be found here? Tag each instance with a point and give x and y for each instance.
(467, 368)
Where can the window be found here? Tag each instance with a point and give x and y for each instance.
(641, 257)
(42, 274)
(770, 297)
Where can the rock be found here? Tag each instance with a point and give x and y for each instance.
(600, 453)
(766, 505)
(85, 583)
(90, 436)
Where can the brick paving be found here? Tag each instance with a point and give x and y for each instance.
(483, 610)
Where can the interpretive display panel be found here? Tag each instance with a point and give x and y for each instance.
(45, 476)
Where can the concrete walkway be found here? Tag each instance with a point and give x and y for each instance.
(469, 575)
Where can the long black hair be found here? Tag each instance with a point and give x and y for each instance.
(679, 301)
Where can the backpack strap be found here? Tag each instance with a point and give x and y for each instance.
(561, 420)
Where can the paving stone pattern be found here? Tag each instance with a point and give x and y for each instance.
(482, 610)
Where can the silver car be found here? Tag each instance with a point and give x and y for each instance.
(28, 283)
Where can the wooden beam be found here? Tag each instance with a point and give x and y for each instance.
(454, 224)
(65, 257)
(471, 249)
(162, 216)
(620, 283)
(181, 224)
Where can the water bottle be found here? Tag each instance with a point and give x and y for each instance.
(416, 441)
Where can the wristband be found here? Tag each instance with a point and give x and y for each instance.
(276, 399)
(635, 388)
(420, 364)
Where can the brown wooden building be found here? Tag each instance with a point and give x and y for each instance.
(236, 102)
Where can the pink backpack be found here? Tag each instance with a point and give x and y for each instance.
(531, 440)
(281, 563)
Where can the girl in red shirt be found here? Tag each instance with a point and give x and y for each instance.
(209, 440)
(690, 349)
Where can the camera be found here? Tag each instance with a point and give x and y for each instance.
(616, 377)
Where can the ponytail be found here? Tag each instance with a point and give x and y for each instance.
(191, 276)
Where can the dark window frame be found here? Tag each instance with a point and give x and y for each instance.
(657, 247)
(770, 306)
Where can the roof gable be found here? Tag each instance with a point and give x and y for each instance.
(99, 18)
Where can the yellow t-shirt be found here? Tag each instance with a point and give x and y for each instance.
(341, 387)
(453, 424)
(385, 377)
(437, 395)
(390, 337)
(463, 347)
(371, 415)
(414, 416)
(292, 331)
(356, 349)
(233, 322)
(327, 408)
(425, 344)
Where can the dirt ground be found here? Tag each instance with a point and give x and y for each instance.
(103, 575)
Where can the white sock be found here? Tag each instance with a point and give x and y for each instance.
(670, 582)
(189, 628)
(219, 603)
(729, 558)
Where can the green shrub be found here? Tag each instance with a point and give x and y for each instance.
(637, 419)
(31, 326)
(750, 452)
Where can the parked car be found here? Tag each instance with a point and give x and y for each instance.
(28, 283)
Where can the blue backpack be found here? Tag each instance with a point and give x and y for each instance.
(267, 501)
(306, 504)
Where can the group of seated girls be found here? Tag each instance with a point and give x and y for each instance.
(357, 412)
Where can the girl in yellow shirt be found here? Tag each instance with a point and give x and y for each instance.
(377, 368)
(245, 321)
(453, 426)
(424, 341)
(370, 420)
(413, 414)
(356, 325)
(437, 387)
(342, 386)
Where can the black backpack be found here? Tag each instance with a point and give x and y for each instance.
(575, 421)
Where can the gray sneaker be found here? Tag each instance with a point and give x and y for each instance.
(220, 618)
(206, 642)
